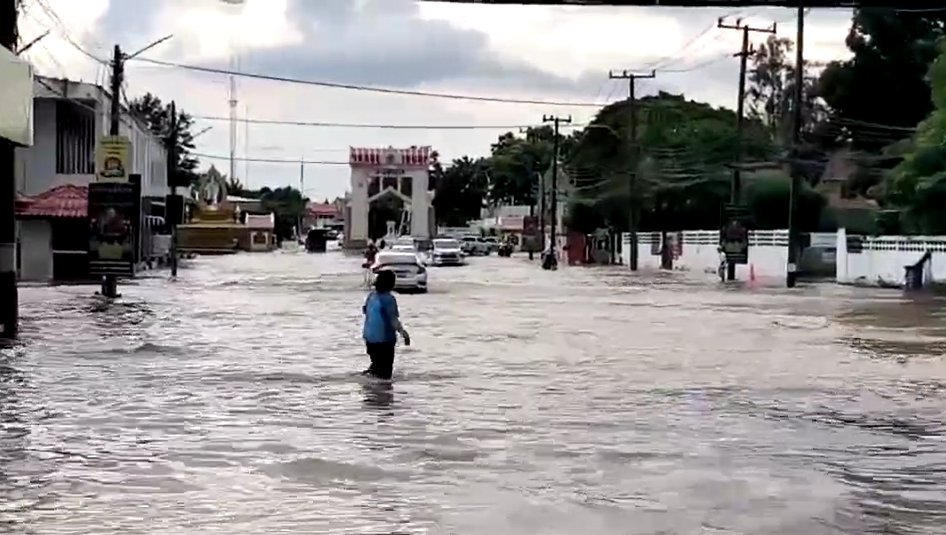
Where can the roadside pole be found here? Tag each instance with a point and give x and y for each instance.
(635, 152)
(791, 270)
(173, 180)
(9, 298)
(553, 199)
(110, 282)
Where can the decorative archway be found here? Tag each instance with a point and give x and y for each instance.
(388, 183)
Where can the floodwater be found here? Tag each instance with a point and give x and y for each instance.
(582, 401)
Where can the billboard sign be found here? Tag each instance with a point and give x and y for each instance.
(113, 159)
(114, 217)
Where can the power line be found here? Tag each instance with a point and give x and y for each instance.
(272, 160)
(364, 125)
(372, 89)
(369, 89)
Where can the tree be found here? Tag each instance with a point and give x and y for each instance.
(682, 178)
(515, 161)
(876, 96)
(919, 183)
(771, 92)
(157, 116)
(288, 205)
(460, 191)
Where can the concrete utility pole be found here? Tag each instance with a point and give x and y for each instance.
(173, 179)
(9, 299)
(553, 200)
(743, 55)
(635, 152)
(530, 168)
(792, 267)
(110, 282)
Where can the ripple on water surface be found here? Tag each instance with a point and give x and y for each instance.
(576, 401)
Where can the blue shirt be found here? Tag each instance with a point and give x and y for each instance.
(380, 312)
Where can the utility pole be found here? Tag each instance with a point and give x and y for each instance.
(110, 282)
(635, 153)
(553, 200)
(173, 179)
(302, 194)
(735, 197)
(9, 299)
(530, 168)
(792, 267)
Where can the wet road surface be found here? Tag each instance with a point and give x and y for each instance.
(578, 401)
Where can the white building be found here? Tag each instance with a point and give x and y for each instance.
(53, 175)
(401, 176)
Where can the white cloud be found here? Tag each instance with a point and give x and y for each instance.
(578, 45)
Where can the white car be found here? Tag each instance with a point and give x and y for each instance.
(410, 274)
(411, 247)
(447, 252)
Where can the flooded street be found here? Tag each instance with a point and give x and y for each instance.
(577, 401)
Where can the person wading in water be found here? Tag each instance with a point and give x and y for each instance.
(382, 325)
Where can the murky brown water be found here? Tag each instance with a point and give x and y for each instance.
(577, 401)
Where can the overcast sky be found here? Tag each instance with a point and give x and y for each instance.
(523, 52)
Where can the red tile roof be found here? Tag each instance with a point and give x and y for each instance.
(316, 209)
(66, 201)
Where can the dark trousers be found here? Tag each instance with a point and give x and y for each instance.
(382, 359)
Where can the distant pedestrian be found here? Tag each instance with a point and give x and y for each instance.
(382, 325)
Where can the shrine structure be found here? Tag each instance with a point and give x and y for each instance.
(391, 195)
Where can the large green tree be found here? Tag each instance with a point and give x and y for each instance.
(157, 115)
(681, 173)
(516, 160)
(288, 204)
(919, 183)
(461, 190)
(881, 92)
(770, 96)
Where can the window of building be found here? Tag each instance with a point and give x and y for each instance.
(374, 186)
(407, 186)
(75, 138)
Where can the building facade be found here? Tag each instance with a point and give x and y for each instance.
(53, 175)
(384, 181)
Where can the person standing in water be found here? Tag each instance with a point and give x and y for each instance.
(382, 325)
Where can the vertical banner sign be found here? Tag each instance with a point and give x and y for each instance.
(530, 234)
(734, 236)
(113, 159)
(114, 217)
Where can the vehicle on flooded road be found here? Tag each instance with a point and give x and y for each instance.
(492, 244)
(473, 246)
(447, 252)
(410, 272)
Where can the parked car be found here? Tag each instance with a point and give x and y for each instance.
(410, 273)
(473, 246)
(447, 252)
(492, 244)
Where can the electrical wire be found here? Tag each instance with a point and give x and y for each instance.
(297, 161)
(374, 89)
(54, 17)
(325, 124)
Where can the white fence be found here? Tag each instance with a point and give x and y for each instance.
(864, 260)
(697, 252)
(881, 260)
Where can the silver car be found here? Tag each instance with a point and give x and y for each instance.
(447, 252)
(410, 274)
